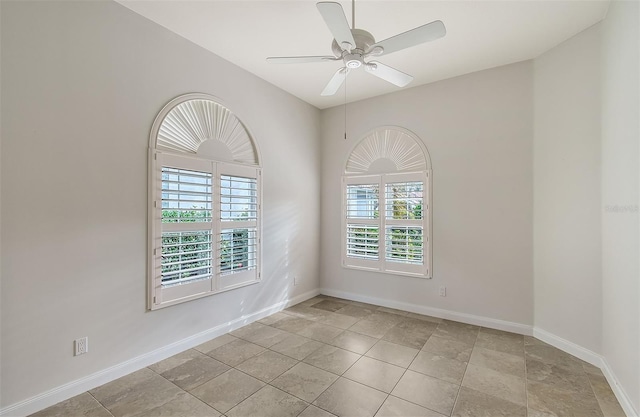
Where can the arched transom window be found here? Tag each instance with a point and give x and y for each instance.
(387, 204)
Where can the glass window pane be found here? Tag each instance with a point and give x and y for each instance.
(238, 250)
(238, 198)
(404, 200)
(362, 201)
(362, 241)
(404, 244)
(186, 196)
(186, 257)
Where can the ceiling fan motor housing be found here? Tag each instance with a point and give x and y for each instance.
(364, 41)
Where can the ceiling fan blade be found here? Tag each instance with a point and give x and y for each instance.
(299, 59)
(425, 33)
(335, 82)
(336, 20)
(388, 73)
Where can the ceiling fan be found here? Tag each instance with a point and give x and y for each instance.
(352, 46)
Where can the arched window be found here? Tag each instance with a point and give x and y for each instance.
(387, 204)
(205, 202)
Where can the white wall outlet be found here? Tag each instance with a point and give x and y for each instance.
(443, 291)
(295, 280)
(81, 345)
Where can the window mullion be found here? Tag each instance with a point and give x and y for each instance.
(382, 217)
(215, 227)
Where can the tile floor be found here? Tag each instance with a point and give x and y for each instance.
(331, 357)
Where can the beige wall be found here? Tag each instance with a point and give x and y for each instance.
(81, 85)
(478, 130)
(567, 209)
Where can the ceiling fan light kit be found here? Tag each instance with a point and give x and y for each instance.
(352, 46)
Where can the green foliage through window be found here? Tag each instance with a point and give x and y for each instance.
(186, 256)
(237, 250)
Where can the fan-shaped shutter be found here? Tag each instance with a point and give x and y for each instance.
(393, 144)
(190, 120)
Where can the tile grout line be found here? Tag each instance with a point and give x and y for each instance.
(526, 380)
(455, 402)
(383, 401)
(594, 391)
(98, 401)
(189, 393)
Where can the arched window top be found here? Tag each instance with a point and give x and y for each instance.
(198, 124)
(388, 149)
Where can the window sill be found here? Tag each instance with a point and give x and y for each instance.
(387, 272)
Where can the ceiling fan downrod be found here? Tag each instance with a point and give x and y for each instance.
(353, 14)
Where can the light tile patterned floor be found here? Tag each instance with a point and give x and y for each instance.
(331, 357)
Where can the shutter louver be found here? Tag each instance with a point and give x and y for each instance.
(238, 198)
(238, 238)
(404, 244)
(186, 196)
(404, 200)
(186, 239)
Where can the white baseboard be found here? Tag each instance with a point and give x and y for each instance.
(620, 393)
(71, 389)
(595, 360)
(569, 347)
(507, 326)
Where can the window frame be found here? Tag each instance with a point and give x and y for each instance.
(382, 265)
(159, 296)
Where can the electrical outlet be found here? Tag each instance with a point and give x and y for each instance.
(82, 346)
(443, 291)
(295, 280)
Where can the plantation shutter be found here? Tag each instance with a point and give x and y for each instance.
(385, 223)
(403, 232)
(206, 228)
(405, 223)
(238, 238)
(361, 231)
(184, 212)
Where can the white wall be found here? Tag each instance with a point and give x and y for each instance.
(81, 85)
(478, 130)
(567, 209)
(586, 195)
(0, 207)
(620, 183)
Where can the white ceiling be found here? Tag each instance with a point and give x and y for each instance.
(480, 35)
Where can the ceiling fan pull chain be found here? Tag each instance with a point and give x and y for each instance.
(345, 107)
